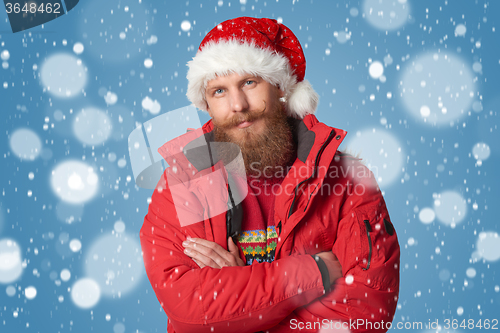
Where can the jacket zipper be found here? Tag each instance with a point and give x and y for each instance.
(310, 195)
(368, 229)
(313, 174)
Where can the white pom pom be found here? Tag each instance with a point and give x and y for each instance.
(302, 100)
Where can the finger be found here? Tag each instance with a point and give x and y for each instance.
(212, 250)
(203, 242)
(203, 249)
(196, 262)
(206, 255)
(231, 246)
(201, 258)
(235, 254)
(235, 251)
(199, 263)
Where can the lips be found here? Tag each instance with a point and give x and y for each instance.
(245, 124)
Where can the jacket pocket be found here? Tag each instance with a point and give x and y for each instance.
(368, 229)
(366, 244)
(378, 238)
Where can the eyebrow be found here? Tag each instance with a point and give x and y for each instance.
(220, 86)
(223, 86)
(217, 86)
(250, 77)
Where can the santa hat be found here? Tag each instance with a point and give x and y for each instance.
(261, 47)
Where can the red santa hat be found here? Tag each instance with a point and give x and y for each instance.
(261, 47)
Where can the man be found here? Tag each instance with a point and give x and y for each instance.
(308, 245)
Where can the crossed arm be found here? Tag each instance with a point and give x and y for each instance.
(211, 254)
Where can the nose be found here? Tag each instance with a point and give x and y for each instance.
(239, 100)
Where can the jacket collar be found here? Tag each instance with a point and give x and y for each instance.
(309, 134)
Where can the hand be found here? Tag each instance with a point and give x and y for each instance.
(333, 265)
(211, 254)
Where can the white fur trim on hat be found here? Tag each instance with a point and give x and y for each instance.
(303, 99)
(232, 56)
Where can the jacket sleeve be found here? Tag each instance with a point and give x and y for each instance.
(365, 298)
(246, 299)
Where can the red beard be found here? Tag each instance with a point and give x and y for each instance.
(272, 149)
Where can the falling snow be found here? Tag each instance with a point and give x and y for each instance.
(88, 98)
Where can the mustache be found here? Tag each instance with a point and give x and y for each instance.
(241, 117)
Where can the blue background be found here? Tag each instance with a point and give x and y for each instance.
(436, 158)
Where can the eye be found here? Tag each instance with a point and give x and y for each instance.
(218, 91)
(249, 82)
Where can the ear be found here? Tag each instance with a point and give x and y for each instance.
(281, 93)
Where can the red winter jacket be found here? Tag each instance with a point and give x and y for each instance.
(330, 202)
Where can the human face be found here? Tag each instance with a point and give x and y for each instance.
(248, 113)
(237, 103)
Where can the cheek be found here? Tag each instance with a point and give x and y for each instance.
(257, 100)
(217, 108)
(220, 118)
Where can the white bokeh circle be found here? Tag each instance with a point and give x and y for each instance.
(185, 25)
(437, 88)
(110, 98)
(426, 215)
(74, 181)
(92, 126)
(85, 293)
(342, 37)
(115, 263)
(25, 144)
(30, 292)
(10, 261)
(119, 328)
(381, 152)
(63, 75)
(65, 274)
(444, 275)
(78, 48)
(386, 15)
(10, 291)
(460, 30)
(75, 245)
(376, 69)
(119, 226)
(481, 151)
(148, 63)
(450, 207)
(470, 272)
(488, 246)
(5, 55)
